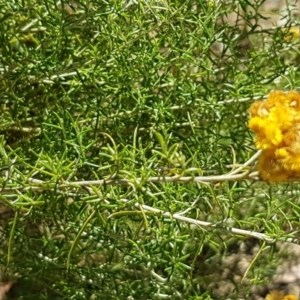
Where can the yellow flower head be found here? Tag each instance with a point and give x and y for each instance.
(291, 34)
(290, 297)
(275, 295)
(276, 123)
(278, 295)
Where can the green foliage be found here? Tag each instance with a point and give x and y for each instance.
(100, 101)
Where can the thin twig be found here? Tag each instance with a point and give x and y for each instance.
(39, 185)
(247, 163)
(232, 230)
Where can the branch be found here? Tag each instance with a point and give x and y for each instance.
(39, 185)
(235, 231)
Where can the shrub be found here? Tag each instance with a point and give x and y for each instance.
(127, 161)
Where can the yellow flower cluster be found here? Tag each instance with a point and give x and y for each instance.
(278, 295)
(276, 123)
(291, 34)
